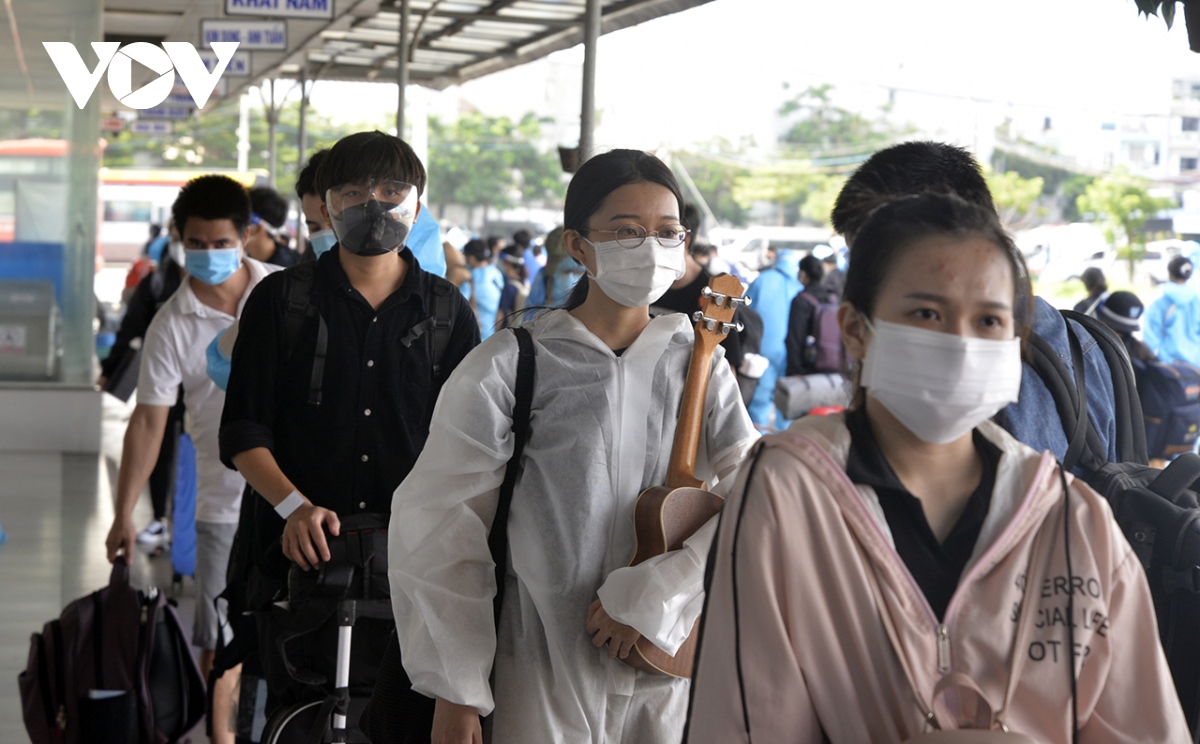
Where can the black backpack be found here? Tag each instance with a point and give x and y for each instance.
(115, 668)
(1157, 510)
(1170, 395)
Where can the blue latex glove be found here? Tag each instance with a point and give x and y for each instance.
(218, 365)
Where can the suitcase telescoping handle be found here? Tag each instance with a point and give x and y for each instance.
(349, 611)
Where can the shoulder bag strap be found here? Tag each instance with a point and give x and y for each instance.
(498, 536)
(443, 324)
(298, 294)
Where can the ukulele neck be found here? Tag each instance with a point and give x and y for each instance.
(681, 470)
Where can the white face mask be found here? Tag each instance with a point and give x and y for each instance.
(636, 277)
(940, 385)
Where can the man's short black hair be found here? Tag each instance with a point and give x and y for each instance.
(212, 197)
(1180, 268)
(370, 156)
(906, 169)
(306, 181)
(269, 204)
(522, 238)
(477, 249)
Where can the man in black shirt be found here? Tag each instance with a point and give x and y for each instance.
(317, 446)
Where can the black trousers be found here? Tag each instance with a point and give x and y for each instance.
(162, 478)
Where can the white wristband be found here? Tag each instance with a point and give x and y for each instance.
(291, 503)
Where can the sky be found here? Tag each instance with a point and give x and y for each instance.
(720, 70)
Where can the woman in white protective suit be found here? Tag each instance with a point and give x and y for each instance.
(608, 384)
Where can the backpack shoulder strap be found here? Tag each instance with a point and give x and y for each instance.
(298, 283)
(443, 323)
(1130, 430)
(1061, 384)
(498, 536)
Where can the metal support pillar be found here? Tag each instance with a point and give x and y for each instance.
(272, 121)
(303, 128)
(587, 115)
(401, 66)
(243, 133)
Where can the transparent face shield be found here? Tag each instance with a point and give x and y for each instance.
(371, 218)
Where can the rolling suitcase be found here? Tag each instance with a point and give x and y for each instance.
(334, 717)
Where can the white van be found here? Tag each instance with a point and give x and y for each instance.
(748, 248)
(1059, 253)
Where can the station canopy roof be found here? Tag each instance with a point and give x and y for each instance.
(452, 40)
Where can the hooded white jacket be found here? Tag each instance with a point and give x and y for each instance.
(815, 628)
(601, 432)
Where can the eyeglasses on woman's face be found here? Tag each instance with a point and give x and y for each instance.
(632, 236)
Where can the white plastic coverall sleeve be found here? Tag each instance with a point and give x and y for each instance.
(570, 528)
(662, 597)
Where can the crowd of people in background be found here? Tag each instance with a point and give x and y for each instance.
(374, 385)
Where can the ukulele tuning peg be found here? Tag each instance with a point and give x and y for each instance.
(698, 316)
(706, 292)
(747, 301)
(728, 327)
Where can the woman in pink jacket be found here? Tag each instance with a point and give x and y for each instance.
(909, 566)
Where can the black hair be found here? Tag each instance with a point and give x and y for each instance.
(701, 250)
(906, 169)
(1094, 281)
(812, 266)
(212, 197)
(369, 156)
(596, 179)
(477, 249)
(1180, 268)
(692, 219)
(493, 243)
(306, 181)
(269, 204)
(513, 256)
(522, 238)
(897, 224)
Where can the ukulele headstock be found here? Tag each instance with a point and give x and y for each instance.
(718, 301)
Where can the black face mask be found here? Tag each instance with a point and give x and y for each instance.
(367, 230)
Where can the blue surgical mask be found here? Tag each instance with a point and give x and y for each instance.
(322, 241)
(213, 266)
(218, 365)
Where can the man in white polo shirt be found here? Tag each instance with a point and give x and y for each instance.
(212, 214)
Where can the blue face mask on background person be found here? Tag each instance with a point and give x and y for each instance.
(214, 265)
(218, 365)
(321, 241)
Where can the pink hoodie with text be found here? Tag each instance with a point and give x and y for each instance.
(830, 634)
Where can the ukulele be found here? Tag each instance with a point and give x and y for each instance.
(666, 515)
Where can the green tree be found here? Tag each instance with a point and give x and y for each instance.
(821, 142)
(491, 162)
(715, 172)
(30, 123)
(821, 196)
(824, 125)
(1014, 196)
(1124, 205)
(1072, 189)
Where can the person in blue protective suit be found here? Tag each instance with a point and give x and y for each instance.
(555, 281)
(425, 242)
(772, 294)
(1172, 324)
(487, 286)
